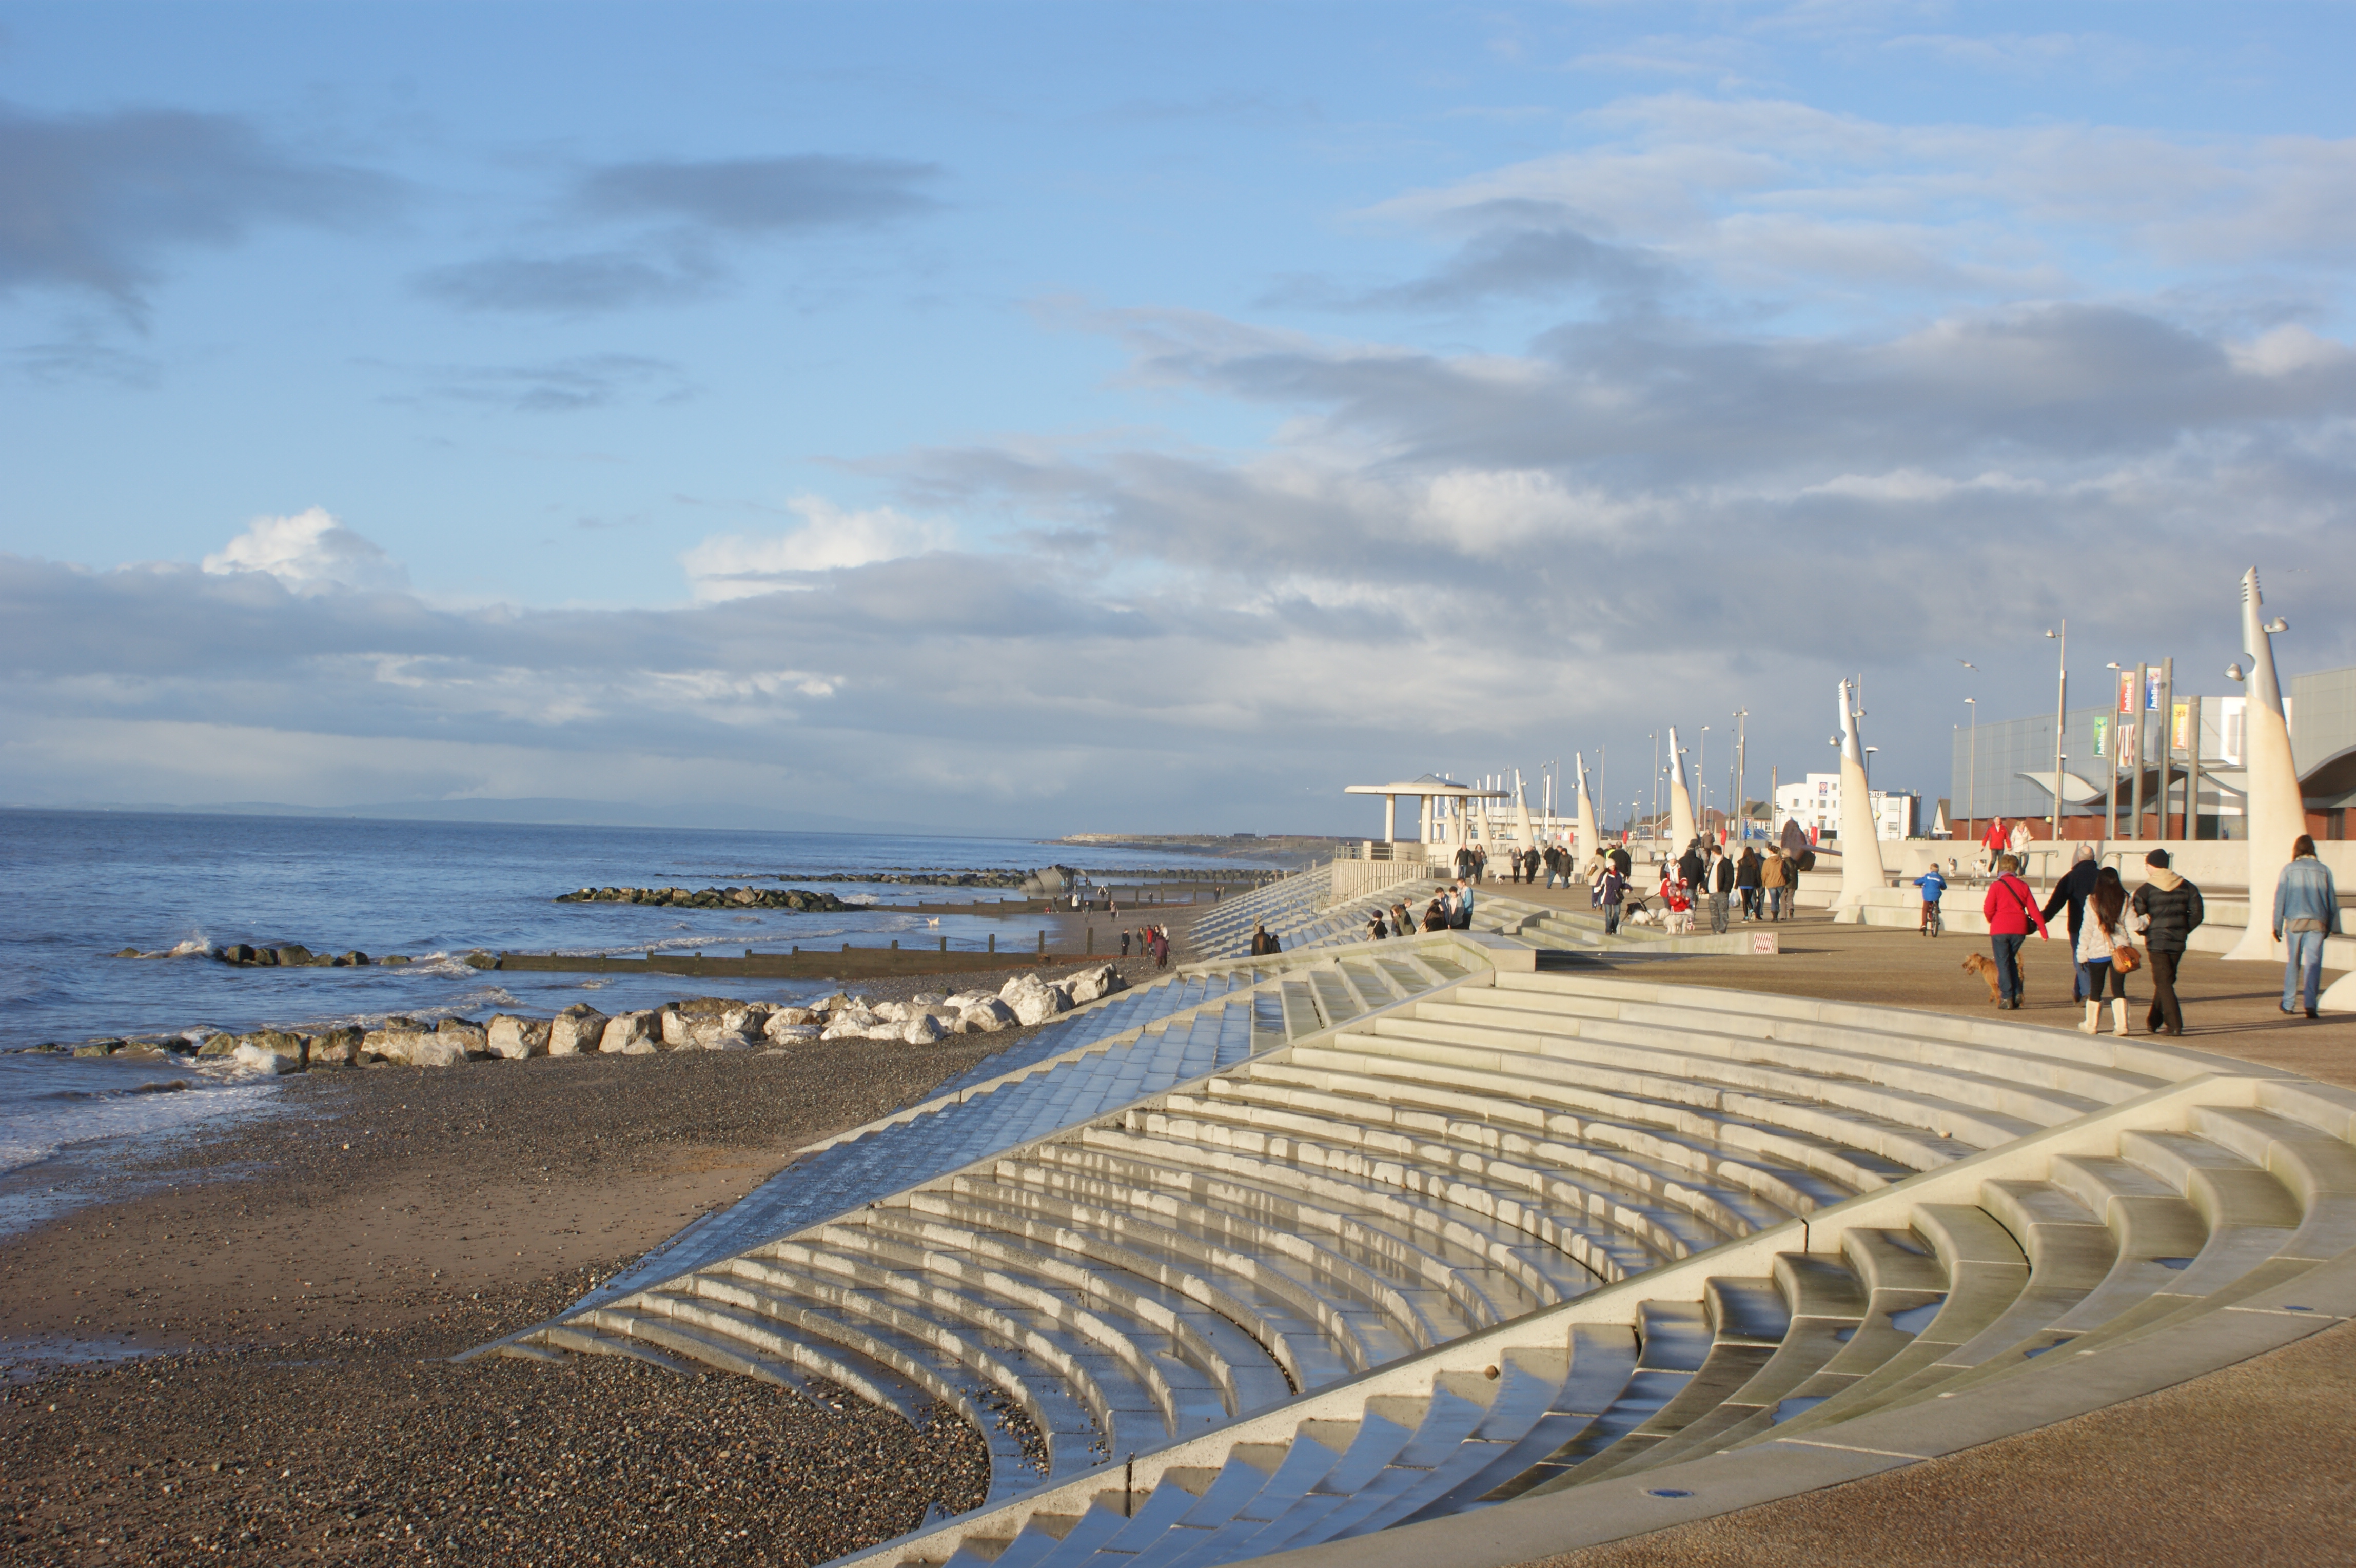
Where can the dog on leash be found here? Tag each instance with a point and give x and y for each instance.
(1979, 963)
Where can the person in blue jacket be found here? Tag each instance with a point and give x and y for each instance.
(1933, 885)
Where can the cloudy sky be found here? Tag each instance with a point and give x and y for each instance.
(1049, 418)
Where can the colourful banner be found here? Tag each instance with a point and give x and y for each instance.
(2128, 735)
(2127, 691)
(2179, 725)
(2151, 692)
(2102, 735)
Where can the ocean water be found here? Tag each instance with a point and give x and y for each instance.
(80, 886)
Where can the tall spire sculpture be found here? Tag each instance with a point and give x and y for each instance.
(1860, 845)
(1589, 839)
(1681, 815)
(2276, 813)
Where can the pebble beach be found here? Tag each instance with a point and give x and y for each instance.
(238, 1349)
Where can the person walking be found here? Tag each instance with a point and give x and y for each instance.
(1460, 917)
(1622, 862)
(1992, 844)
(1263, 944)
(1772, 869)
(1615, 894)
(1399, 922)
(1722, 886)
(2098, 946)
(2168, 910)
(2072, 890)
(2011, 908)
(1747, 875)
(2306, 910)
(1124, 943)
(1690, 866)
(1933, 885)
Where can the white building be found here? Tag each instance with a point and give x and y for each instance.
(1815, 803)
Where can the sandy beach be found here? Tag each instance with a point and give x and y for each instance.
(278, 1297)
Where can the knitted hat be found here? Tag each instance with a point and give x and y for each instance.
(2156, 857)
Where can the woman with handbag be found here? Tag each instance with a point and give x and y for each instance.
(2104, 952)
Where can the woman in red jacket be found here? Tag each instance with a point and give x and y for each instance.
(2011, 908)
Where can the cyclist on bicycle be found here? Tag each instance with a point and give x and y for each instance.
(1933, 885)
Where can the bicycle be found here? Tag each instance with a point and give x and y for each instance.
(1936, 926)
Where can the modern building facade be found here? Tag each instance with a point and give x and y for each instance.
(1815, 804)
(2003, 769)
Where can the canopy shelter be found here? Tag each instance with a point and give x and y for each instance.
(1430, 787)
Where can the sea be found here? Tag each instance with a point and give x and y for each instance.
(78, 887)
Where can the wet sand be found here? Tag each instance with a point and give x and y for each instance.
(299, 1278)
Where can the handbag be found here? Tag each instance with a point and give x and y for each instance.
(2126, 959)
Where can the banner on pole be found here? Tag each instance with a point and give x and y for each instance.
(2127, 691)
(2101, 734)
(2179, 722)
(2151, 692)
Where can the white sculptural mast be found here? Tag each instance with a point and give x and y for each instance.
(1588, 839)
(1522, 818)
(1681, 817)
(2276, 814)
(1860, 847)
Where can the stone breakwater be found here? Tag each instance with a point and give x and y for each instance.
(700, 1023)
(797, 898)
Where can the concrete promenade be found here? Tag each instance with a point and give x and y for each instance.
(2243, 1465)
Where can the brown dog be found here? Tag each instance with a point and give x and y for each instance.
(1979, 963)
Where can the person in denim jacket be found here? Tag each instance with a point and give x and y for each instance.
(2306, 910)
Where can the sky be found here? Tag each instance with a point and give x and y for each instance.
(1141, 418)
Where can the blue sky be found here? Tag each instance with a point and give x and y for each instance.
(1047, 418)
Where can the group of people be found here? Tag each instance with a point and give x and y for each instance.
(1153, 942)
(1762, 886)
(1450, 909)
(2113, 933)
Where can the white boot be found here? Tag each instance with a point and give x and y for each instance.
(2119, 1016)
(2093, 1015)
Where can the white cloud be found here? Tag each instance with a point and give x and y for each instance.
(311, 552)
(736, 565)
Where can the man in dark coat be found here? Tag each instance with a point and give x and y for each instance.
(2072, 890)
(1746, 882)
(1620, 861)
(2170, 907)
(1689, 865)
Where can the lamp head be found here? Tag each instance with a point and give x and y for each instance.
(2276, 626)
(2233, 672)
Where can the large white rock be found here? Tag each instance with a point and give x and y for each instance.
(515, 1039)
(631, 1033)
(576, 1030)
(1036, 1003)
(791, 1015)
(844, 1027)
(416, 1047)
(922, 1029)
(790, 1034)
(891, 1011)
(1092, 983)
(986, 1017)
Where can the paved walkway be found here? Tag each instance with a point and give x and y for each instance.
(2234, 1009)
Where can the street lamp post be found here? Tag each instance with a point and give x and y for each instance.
(1701, 777)
(2135, 790)
(2061, 719)
(1742, 728)
(1971, 770)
